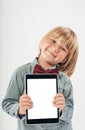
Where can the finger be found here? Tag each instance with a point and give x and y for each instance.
(58, 95)
(59, 103)
(26, 100)
(59, 106)
(25, 96)
(26, 108)
(58, 100)
(27, 104)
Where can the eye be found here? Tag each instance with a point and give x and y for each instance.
(53, 40)
(63, 49)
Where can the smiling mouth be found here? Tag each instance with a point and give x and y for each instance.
(51, 53)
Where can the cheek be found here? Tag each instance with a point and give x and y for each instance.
(44, 46)
(62, 56)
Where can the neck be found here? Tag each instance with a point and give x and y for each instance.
(43, 63)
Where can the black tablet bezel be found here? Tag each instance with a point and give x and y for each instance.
(48, 120)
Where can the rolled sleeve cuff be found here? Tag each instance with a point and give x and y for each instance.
(14, 112)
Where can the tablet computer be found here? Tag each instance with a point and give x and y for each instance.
(42, 88)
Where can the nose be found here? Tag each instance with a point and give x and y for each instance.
(56, 49)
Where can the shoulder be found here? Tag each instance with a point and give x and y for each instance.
(27, 68)
(64, 81)
(22, 70)
(62, 76)
(24, 67)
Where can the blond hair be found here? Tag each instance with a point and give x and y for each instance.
(69, 38)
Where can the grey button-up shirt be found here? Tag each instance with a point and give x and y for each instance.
(17, 87)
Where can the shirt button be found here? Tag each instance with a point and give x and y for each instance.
(13, 113)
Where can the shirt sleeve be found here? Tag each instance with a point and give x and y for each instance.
(67, 91)
(15, 89)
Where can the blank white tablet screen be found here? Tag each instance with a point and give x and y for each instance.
(42, 92)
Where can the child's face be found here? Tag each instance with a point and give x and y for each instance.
(53, 51)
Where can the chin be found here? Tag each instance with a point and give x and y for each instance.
(51, 63)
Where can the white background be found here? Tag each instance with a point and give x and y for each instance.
(22, 25)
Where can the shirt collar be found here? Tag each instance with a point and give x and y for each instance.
(35, 61)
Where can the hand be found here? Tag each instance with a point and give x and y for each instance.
(25, 103)
(59, 101)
